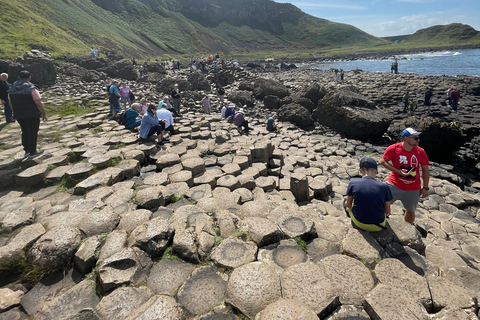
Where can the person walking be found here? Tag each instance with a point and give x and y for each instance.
(27, 107)
(206, 104)
(4, 86)
(176, 97)
(405, 160)
(455, 95)
(406, 100)
(114, 99)
(368, 200)
(428, 99)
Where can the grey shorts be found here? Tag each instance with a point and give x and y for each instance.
(409, 198)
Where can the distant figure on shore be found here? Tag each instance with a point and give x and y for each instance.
(140, 69)
(394, 67)
(449, 96)
(455, 95)
(341, 75)
(368, 200)
(92, 52)
(98, 52)
(230, 113)
(428, 100)
(406, 99)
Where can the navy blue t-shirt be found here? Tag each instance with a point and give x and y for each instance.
(369, 197)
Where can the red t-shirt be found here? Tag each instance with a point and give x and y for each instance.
(408, 160)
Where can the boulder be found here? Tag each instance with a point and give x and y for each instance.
(168, 275)
(296, 114)
(40, 65)
(122, 302)
(351, 114)
(198, 82)
(122, 69)
(263, 87)
(241, 98)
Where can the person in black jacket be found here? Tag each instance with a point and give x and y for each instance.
(27, 108)
(176, 98)
(4, 86)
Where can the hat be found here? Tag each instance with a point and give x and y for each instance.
(176, 85)
(240, 111)
(231, 105)
(410, 132)
(368, 163)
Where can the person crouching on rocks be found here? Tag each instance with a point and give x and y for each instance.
(271, 125)
(133, 116)
(151, 125)
(230, 113)
(239, 121)
(368, 200)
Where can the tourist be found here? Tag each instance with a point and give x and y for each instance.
(342, 75)
(170, 108)
(27, 107)
(368, 200)
(133, 116)
(150, 125)
(406, 99)
(92, 52)
(223, 110)
(428, 99)
(405, 159)
(412, 107)
(220, 91)
(230, 113)
(176, 97)
(239, 121)
(4, 86)
(455, 97)
(98, 52)
(144, 105)
(114, 99)
(206, 104)
(140, 70)
(125, 95)
(166, 116)
(271, 125)
(449, 96)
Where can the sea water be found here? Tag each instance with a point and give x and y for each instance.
(450, 62)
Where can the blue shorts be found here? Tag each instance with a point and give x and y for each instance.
(125, 99)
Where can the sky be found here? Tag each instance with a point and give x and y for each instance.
(393, 17)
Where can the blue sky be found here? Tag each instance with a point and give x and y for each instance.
(393, 17)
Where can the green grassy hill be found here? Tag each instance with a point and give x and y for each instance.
(162, 28)
(452, 34)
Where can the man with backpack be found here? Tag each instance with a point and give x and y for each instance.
(132, 117)
(114, 99)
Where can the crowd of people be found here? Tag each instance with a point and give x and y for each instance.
(410, 105)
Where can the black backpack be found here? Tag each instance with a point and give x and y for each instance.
(131, 96)
(123, 118)
(108, 87)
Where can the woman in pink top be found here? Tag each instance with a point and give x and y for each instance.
(125, 95)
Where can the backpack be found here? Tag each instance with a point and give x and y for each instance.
(131, 96)
(123, 118)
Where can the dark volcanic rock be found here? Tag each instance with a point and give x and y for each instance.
(40, 65)
(314, 93)
(264, 87)
(351, 114)
(242, 98)
(296, 114)
(271, 102)
(198, 81)
(122, 69)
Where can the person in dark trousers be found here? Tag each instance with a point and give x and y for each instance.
(176, 95)
(4, 86)
(455, 95)
(428, 100)
(27, 108)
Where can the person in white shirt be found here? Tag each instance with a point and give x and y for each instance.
(164, 114)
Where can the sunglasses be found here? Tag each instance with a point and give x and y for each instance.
(416, 138)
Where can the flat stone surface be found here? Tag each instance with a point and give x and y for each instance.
(168, 275)
(80, 170)
(234, 252)
(320, 248)
(98, 222)
(252, 287)
(157, 179)
(133, 219)
(351, 280)
(286, 309)
(32, 175)
(122, 302)
(294, 227)
(362, 245)
(262, 231)
(152, 237)
(9, 298)
(288, 253)
(308, 283)
(202, 290)
(158, 307)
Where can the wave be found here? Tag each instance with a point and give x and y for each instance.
(416, 56)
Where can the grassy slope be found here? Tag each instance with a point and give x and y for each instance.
(73, 26)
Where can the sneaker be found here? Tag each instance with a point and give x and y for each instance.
(36, 154)
(160, 145)
(26, 155)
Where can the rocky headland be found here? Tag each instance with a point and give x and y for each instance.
(220, 225)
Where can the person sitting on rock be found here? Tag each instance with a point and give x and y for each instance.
(368, 200)
(166, 101)
(151, 125)
(133, 116)
(230, 113)
(144, 105)
(271, 125)
(166, 116)
(239, 121)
